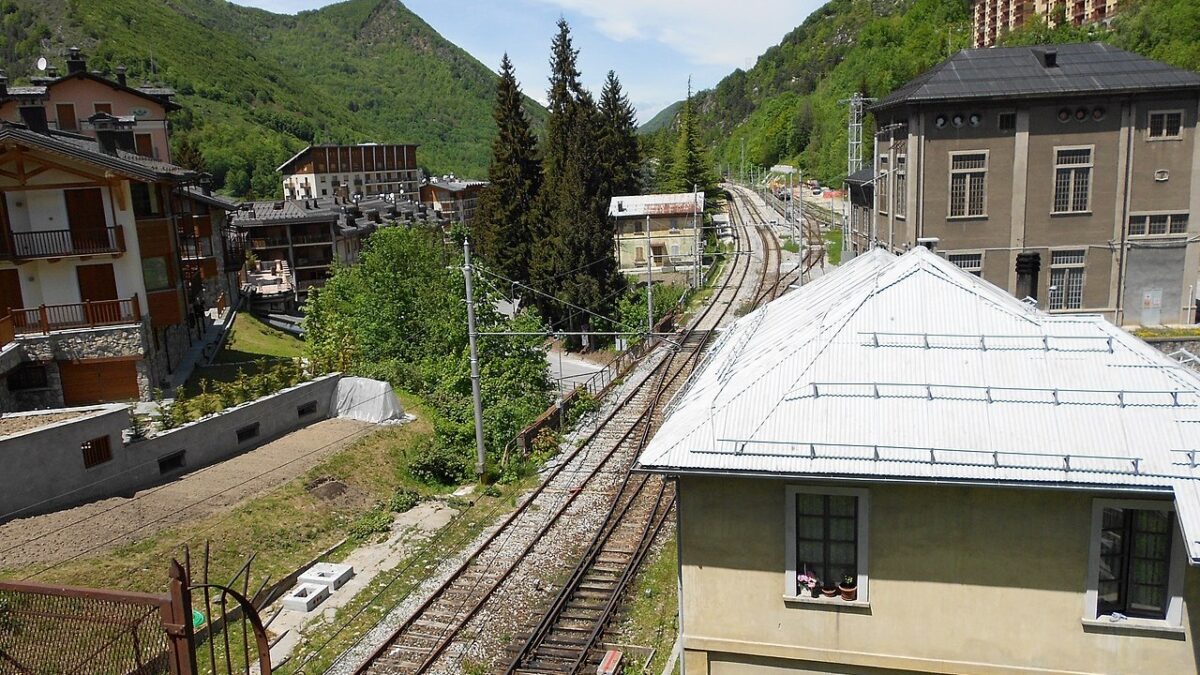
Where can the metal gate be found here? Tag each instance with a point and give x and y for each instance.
(65, 630)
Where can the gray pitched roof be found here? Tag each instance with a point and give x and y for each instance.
(863, 175)
(1019, 72)
(86, 149)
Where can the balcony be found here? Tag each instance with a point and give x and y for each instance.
(48, 318)
(67, 243)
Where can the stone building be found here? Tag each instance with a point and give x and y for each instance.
(1069, 175)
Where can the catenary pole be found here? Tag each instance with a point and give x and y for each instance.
(477, 400)
(649, 280)
(696, 232)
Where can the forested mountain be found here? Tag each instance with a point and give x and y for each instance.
(258, 86)
(787, 107)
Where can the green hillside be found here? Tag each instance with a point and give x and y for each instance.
(786, 108)
(259, 86)
(663, 119)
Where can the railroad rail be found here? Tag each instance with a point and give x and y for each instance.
(814, 254)
(592, 478)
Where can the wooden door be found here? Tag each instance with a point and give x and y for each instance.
(87, 383)
(85, 217)
(98, 291)
(10, 291)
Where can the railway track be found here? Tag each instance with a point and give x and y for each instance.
(593, 480)
(814, 254)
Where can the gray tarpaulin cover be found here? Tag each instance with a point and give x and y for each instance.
(360, 398)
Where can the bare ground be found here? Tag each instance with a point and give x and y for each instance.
(101, 526)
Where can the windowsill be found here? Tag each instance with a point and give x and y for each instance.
(982, 216)
(1070, 213)
(834, 602)
(1132, 625)
(1152, 139)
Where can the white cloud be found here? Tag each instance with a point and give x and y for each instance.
(705, 32)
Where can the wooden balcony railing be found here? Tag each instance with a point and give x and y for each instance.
(63, 243)
(47, 318)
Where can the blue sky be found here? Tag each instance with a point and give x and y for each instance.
(653, 45)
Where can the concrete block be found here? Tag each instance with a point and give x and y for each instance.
(304, 597)
(332, 575)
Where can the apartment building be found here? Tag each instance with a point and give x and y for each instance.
(991, 19)
(663, 230)
(349, 171)
(902, 468)
(1069, 175)
(68, 101)
(95, 307)
(456, 200)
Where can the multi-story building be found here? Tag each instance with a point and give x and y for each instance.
(1065, 174)
(93, 303)
(660, 230)
(900, 468)
(456, 200)
(349, 171)
(69, 100)
(993, 18)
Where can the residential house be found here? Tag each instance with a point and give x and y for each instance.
(1067, 174)
(991, 19)
(997, 489)
(347, 171)
(93, 304)
(662, 231)
(456, 200)
(68, 101)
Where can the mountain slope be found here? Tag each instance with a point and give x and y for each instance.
(663, 119)
(259, 86)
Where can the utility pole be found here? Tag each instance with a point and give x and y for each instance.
(855, 124)
(472, 335)
(696, 232)
(649, 281)
(743, 159)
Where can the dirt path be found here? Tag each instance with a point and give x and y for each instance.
(92, 529)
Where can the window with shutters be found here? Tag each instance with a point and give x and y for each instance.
(1135, 565)
(1066, 279)
(1157, 224)
(1165, 125)
(968, 184)
(826, 538)
(1072, 180)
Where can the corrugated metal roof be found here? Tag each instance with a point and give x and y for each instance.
(1082, 69)
(639, 206)
(908, 368)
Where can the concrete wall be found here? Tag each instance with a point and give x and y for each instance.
(43, 469)
(962, 579)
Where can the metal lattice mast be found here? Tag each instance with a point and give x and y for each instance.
(854, 143)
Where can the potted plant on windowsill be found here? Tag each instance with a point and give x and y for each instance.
(848, 588)
(810, 583)
(829, 589)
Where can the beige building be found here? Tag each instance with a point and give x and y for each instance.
(350, 171)
(991, 19)
(453, 199)
(995, 489)
(1070, 175)
(662, 230)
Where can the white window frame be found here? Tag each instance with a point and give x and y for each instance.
(864, 516)
(1177, 137)
(900, 187)
(1145, 217)
(977, 272)
(1174, 621)
(951, 172)
(1090, 166)
(883, 191)
(1082, 284)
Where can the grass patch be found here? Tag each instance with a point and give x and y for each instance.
(285, 528)
(791, 246)
(833, 246)
(651, 617)
(1167, 332)
(251, 339)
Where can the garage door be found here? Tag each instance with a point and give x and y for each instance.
(87, 383)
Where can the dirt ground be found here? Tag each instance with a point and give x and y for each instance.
(96, 527)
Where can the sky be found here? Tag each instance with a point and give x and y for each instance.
(653, 45)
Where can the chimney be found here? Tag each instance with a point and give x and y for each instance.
(928, 242)
(75, 62)
(52, 72)
(3, 84)
(1050, 58)
(121, 75)
(112, 133)
(34, 117)
(1029, 264)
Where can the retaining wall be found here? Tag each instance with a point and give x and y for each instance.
(43, 468)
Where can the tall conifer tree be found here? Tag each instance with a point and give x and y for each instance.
(619, 149)
(690, 167)
(507, 214)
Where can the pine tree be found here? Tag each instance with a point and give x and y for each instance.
(691, 167)
(619, 151)
(187, 154)
(506, 219)
(573, 253)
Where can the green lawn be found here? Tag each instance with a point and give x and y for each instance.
(251, 339)
(651, 617)
(833, 246)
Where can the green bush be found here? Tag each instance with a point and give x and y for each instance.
(437, 464)
(403, 500)
(374, 522)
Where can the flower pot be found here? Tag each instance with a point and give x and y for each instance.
(815, 591)
(829, 591)
(848, 592)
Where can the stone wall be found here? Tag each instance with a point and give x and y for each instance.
(86, 343)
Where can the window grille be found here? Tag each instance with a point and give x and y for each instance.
(969, 262)
(968, 177)
(1166, 124)
(1072, 180)
(1066, 279)
(96, 451)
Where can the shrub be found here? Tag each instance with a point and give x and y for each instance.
(437, 464)
(403, 499)
(376, 521)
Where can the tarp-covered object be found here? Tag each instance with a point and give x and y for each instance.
(360, 398)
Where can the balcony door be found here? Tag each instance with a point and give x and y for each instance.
(10, 291)
(98, 284)
(85, 217)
